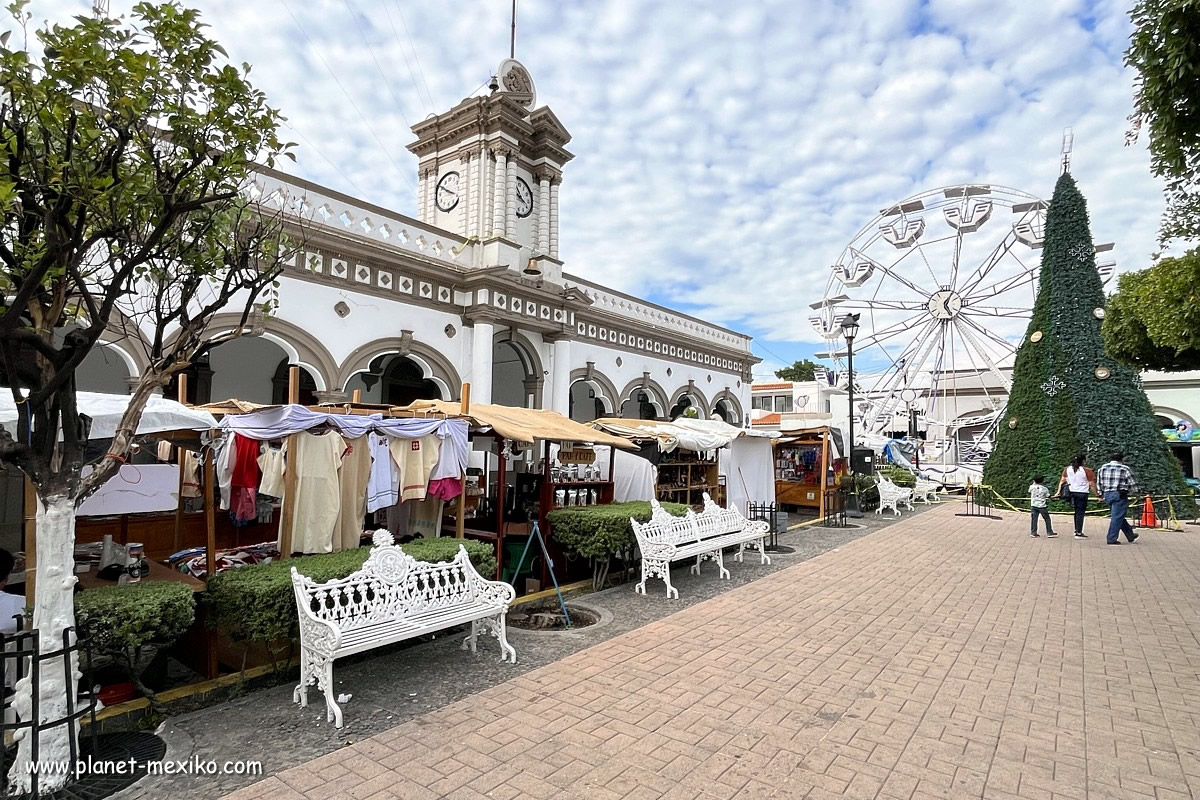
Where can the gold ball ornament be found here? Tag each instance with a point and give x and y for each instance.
(1098, 313)
(1035, 337)
(1012, 422)
(1103, 373)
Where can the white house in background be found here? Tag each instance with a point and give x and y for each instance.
(473, 290)
(770, 400)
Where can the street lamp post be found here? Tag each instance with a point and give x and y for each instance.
(850, 330)
(909, 396)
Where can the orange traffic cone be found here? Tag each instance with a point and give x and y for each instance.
(1149, 518)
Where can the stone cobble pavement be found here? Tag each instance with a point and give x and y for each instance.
(942, 657)
(392, 685)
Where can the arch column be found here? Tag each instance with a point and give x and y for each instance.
(543, 217)
(553, 235)
(510, 205)
(560, 376)
(499, 191)
(481, 361)
(466, 189)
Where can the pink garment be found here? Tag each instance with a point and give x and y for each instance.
(243, 505)
(445, 488)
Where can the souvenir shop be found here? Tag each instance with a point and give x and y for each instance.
(808, 462)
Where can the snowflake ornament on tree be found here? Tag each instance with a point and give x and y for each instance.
(1053, 386)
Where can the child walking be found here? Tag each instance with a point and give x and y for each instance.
(1039, 497)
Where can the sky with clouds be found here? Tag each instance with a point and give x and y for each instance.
(726, 153)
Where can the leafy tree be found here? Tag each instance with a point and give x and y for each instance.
(1153, 320)
(1068, 395)
(127, 147)
(1165, 50)
(805, 370)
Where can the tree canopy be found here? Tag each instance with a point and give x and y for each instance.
(1165, 51)
(804, 370)
(1153, 321)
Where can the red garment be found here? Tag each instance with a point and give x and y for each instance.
(245, 463)
(445, 488)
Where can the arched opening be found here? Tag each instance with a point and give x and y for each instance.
(686, 406)
(639, 406)
(104, 369)
(1164, 421)
(279, 385)
(250, 368)
(586, 403)
(726, 412)
(515, 381)
(395, 380)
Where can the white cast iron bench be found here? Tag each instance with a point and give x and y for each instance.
(392, 598)
(927, 491)
(666, 538)
(891, 496)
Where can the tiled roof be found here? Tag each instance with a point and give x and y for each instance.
(767, 419)
(769, 386)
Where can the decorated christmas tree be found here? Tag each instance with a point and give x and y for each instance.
(1068, 396)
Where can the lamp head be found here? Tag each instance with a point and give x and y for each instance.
(850, 326)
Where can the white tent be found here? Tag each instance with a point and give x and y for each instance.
(105, 411)
(748, 465)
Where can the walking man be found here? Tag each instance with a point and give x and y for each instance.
(1115, 483)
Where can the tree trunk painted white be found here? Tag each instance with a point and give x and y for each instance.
(53, 612)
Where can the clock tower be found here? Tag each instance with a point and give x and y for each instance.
(490, 170)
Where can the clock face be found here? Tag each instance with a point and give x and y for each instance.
(944, 304)
(524, 198)
(446, 194)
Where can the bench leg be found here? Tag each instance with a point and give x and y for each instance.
(666, 576)
(653, 568)
(695, 568)
(300, 694)
(472, 637)
(761, 546)
(719, 557)
(741, 551)
(507, 651)
(323, 672)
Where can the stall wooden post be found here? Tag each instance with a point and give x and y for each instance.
(293, 385)
(288, 516)
(460, 524)
(824, 473)
(179, 506)
(356, 398)
(31, 501)
(210, 550)
(501, 499)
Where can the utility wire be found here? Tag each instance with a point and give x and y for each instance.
(362, 116)
(328, 160)
(412, 46)
(371, 50)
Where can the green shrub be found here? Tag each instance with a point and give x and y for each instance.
(868, 492)
(898, 475)
(256, 602)
(601, 531)
(129, 617)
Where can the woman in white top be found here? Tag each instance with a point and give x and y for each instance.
(1081, 483)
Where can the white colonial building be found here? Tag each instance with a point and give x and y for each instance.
(473, 290)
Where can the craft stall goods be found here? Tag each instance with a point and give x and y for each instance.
(339, 468)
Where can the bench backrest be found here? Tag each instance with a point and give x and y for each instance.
(392, 584)
(665, 528)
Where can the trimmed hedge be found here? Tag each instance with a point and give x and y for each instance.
(124, 618)
(256, 603)
(601, 531)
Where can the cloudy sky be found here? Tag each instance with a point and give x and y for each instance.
(726, 153)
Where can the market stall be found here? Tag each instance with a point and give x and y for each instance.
(694, 457)
(808, 463)
(525, 463)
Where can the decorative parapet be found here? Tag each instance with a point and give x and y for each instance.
(327, 209)
(645, 313)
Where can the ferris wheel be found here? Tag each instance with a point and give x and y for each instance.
(944, 283)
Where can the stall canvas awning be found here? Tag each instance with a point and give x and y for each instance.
(522, 424)
(698, 435)
(105, 410)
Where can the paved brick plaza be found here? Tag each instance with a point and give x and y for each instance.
(941, 657)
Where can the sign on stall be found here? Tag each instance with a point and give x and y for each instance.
(576, 454)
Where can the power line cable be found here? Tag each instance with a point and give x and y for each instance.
(378, 66)
(328, 160)
(413, 46)
(361, 116)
